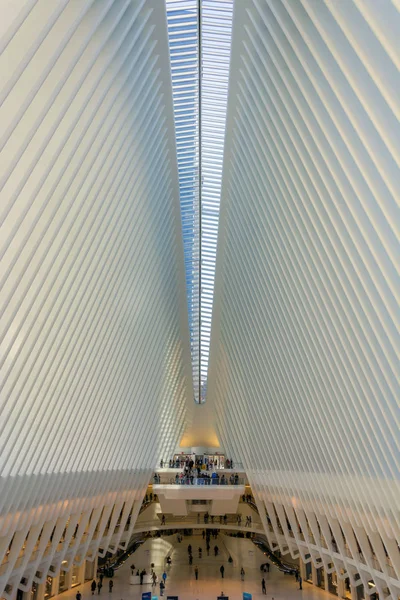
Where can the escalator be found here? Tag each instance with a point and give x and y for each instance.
(286, 568)
(112, 562)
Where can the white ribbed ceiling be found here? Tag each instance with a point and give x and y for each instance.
(304, 365)
(104, 160)
(94, 347)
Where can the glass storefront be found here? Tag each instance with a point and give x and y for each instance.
(332, 583)
(308, 568)
(34, 590)
(75, 576)
(48, 587)
(62, 585)
(89, 570)
(218, 460)
(360, 592)
(321, 577)
(347, 588)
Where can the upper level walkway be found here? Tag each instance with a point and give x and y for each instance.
(151, 520)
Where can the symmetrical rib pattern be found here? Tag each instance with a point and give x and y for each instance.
(94, 347)
(304, 367)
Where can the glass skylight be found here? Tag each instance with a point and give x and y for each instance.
(200, 34)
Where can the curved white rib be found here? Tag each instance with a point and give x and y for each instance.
(304, 366)
(94, 347)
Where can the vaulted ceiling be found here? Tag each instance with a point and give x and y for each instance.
(200, 201)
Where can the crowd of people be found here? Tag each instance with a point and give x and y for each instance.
(195, 476)
(207, 535)
(153, 575)
(204, 463)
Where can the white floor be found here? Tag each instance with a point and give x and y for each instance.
(181, 579)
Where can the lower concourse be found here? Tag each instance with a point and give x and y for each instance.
(181, 579)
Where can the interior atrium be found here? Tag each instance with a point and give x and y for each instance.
(199, 296)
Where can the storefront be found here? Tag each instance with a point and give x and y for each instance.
(75, 578)
(62, 581)
(332, 583)
(34, 591)
(308, 570)
(89, 570)
(218, 460)
(321, 577)
(48, 587)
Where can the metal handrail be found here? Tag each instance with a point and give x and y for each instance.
(200, 481)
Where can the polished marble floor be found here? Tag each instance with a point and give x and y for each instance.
(181, 580)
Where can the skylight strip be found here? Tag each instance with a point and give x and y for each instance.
(182, 20)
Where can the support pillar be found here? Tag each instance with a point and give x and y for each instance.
(341, 588)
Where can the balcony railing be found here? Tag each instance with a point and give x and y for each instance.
(198, 481)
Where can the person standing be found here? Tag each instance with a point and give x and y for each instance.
(110, 585)
(78, 595)
(222, 570)
(263, 586)
(99, 586)
(164, 577)
(162, 587)
(242, 574)
(101, 578)
(300, 582)
(93, 586)
(196, 572)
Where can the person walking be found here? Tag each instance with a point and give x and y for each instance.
(164, 577)
(110, 585)
(200, 551)
(222, 570)
(78, 595)
(93, 586)
(263, 586)
(101, 578)
(163, 520)
(215, 550)
(162, 587)
(300, 582)
(153, 579)
(242, 574)
(99, 586)
(196, 572)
